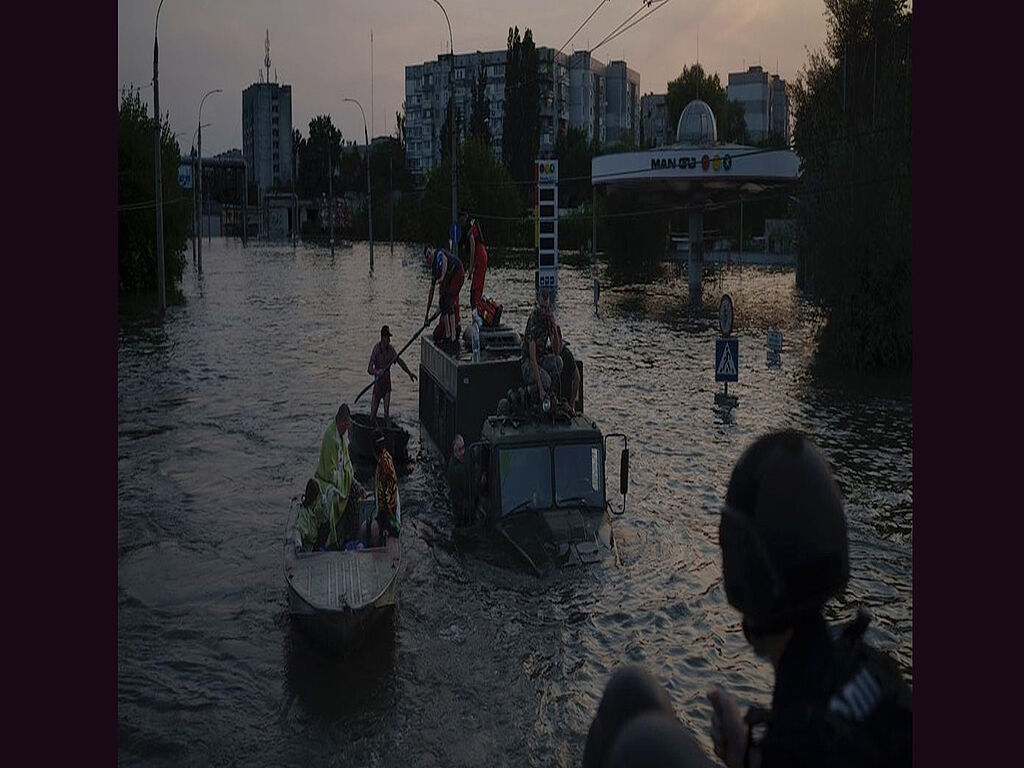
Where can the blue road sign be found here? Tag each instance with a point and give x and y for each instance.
(727, 359)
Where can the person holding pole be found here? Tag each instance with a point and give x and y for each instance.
(448, 274)
(381, 358)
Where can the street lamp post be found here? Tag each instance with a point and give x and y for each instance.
(199, 130)
(451, 112)
(369, 193)
(330, 195)
(195, 213)
(160, 291)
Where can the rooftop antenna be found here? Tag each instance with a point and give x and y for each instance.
(698, 65)
(266, 59)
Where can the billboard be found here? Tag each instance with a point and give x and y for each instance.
(185, 175)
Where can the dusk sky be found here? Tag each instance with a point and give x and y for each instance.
(322, 48)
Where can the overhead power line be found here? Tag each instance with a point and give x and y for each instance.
(622, 28)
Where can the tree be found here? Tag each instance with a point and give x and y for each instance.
(574, 161)
(136, 208)
(737, 122)
(852, 133)
(692, 83)
(322, 150)
(521, 125)
(400, 126)
(297, 142)
(446, 131)
(478, 124)
(486, 189)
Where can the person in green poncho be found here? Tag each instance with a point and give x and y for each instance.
(336, 480)
(313, 523)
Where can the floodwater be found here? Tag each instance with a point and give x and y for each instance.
(220, 414)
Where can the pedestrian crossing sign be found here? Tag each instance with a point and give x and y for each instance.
(727, 359)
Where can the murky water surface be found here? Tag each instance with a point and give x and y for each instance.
(220, 414)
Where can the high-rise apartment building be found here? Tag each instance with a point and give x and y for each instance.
(764, 100)
(267, 130)
(582, 100)
(267, 134)
(654, 128)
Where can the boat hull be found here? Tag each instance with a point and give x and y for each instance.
(363, 435)
(338, 597)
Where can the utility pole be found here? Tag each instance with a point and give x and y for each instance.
(369, 192)
(330, 195)
(194, 218)
(160, 291)
(199, 182)
(451, 114)
(199, 130)
(391, 199)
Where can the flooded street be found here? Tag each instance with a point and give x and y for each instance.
(220, 414)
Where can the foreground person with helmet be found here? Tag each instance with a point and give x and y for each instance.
(836, 701)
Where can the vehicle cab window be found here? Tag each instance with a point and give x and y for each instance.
(524, 478)
(579, 475)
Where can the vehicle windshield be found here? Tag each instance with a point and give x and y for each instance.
(525, 479)
(579, 475)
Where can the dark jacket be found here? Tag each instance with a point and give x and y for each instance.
(837, 702)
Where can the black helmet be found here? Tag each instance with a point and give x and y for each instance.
(782, 533)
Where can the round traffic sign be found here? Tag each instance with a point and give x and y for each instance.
(725, 314)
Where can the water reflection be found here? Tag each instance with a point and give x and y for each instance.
(349, 687)
(220, 414)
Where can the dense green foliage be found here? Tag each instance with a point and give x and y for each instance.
(486, 190)
(635, 234)
(852, 132)
(693, 81)
(322, 150)
(520, 141)
(136, 204)
(574, 155)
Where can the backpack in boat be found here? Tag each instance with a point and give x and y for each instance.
(866, 721)
(490, 311)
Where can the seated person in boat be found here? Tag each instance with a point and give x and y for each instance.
(381, 359)
(540, 367)
(313, 523)
(336, 478)
(387, 522)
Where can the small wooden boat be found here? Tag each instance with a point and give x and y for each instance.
(363, 435)
(338, 596)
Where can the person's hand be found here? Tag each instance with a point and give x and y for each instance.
(412, 376)
(728, 733)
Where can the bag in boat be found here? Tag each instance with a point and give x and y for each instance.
(490, 311)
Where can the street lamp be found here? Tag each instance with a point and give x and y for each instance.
(199, 181)
(160, 293)
(369, 193)
(451, 112)
(195, 216)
